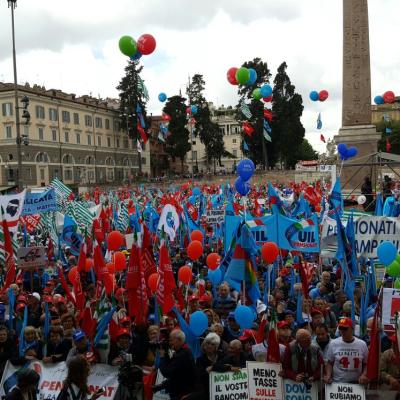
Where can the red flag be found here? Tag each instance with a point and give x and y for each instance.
(88, 323)
(373, 354)
(50, 250)
(98, 230)
(82, 258)
(99, 263)
(306, 271)
(388, 146)
(143, 134)
(30, 221)
(192, 211)
(322, 137)
(136, 286)
(9, 257)
(166, 281)
(65, 286)
(261, 330)
(148, 263)
(273, 353)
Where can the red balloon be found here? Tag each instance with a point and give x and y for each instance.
(110, 268)
(213, 260)
(152, 282)
(109, 283)
(269, 252)
(268, 99)
(115, 240)
(185, 274)
(389, 97)
(89, 263)
(197, 235)
(195, 250)
(146, 44)
(323, 95)
(119, 261)
(231, 76)
(73, 274)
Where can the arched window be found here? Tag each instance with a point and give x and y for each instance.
(126, 162)
(90, 160)
(110, 161)
(42, 158)
(68, 159)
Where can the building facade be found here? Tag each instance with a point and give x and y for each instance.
(388, 112)
(225, 118)
(77, 139)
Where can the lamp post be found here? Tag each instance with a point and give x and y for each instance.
(13, 4)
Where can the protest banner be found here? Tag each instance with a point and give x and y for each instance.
(11, 206)
(299, 391)
(161, 394)
(369, 232)
(39, 202)
(53, 375)
(264, 381)
(229, 385)
(344, 391)
(31, 257)
(30, 222)
(215, 216)
(390, 305)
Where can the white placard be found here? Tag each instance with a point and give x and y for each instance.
(234, 383)
(344, 391)
(264, 381)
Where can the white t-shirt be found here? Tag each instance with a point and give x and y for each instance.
(347, 359)
(260, 351)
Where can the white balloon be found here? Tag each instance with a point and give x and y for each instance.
(361, 200)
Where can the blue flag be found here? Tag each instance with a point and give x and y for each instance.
(21, 344)
(103, 325)
(319, 121)
(379, 205)
(336, 199)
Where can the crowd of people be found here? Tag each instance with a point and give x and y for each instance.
(320, 340)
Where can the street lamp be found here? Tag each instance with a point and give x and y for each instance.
(13, 4)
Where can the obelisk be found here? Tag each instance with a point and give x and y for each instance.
(357, 129)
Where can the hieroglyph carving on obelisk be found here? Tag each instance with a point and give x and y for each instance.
(356, 64)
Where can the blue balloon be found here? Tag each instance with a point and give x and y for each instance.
(352, 152)
(136, 56)
(198, 322)
(244, 316)
(342, 148)
(215, 276)
(314, 96)
(196, 191)
(253, 77)
(266, 91)
(245, 169)
(162, 97)
(241, 186)
(387, 253)
(379, 100)
(194, 109)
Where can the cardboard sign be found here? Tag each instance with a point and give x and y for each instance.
(390, 305)
(53, 375)
(31, 257)
(232, 384)
(299, 391)
(215, 216)
(344, 391)
(264, 382)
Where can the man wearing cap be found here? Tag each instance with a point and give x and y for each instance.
(248, 340)
(389, 365)
(193, 304)
(224, 303)
(81, 346)
(284, 333)
(121, 351)
(347, 356)
(260, 350)
(231, 329)
(34, 311)
(205, 301)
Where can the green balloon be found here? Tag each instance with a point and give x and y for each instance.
(393, 269)
(257, 94)
(127, 45)
(242, 75)
(397, 283)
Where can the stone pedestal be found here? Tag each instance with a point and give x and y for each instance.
(365, 138)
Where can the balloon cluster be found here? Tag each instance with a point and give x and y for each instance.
(245, 169)
(389, 257)
(321, 96)
(145, 45)
(346, 152)
(387, 98)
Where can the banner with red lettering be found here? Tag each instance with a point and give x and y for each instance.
(53, 375)
(264, 381)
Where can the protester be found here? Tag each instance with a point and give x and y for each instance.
(27, 382)
(57, 348)
(389, 365)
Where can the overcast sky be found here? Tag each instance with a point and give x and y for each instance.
(73, 45)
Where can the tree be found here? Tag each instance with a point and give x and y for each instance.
(393, 136)
(177, 143)
(306, 151)
(256, 143)
(207, 130)
(132, 93)
(287, 129)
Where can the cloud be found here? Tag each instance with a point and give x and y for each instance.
(73, 45)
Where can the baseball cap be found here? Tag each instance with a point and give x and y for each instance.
(123, 332)
(36, 295)
(78, 335)
(261, 307)
(125, 320)
(193, 298)
(283, 325)
(288, 312)
(345, 323)
(247, 334)
(59, 299)
(316, 311)
(231, 315)
(19, 306)
(205, 298)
